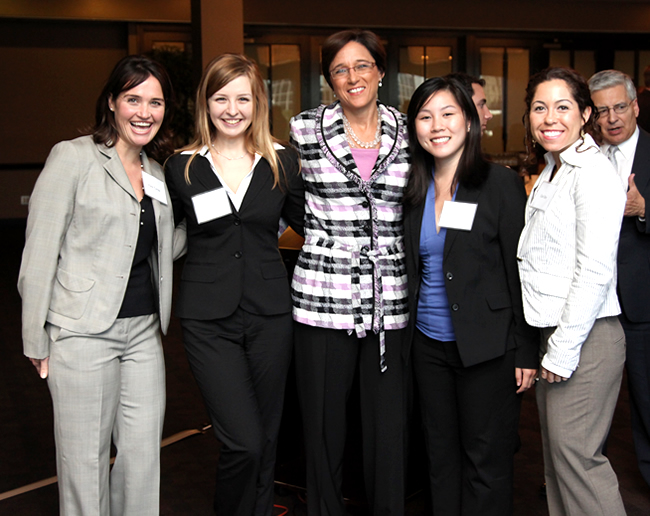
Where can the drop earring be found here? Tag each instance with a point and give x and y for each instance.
(380, 83)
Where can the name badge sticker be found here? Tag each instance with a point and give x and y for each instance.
(211, 205)
(154, 188)
(457, 215)
(542, 196)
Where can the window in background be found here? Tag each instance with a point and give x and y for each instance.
(280, 68)
(418, 63)
(506, 72)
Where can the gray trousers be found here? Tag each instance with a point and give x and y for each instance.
(575, 418)
(110, 384)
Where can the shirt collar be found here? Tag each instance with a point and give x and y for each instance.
(628, 147)
(573, 155)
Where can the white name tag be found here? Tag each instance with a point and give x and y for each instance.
(542, 196)
(211, 205)
(457, 215)
(154, 188)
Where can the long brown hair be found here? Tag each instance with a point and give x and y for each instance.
(221, 71)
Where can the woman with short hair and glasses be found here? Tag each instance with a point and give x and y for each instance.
(349, 285)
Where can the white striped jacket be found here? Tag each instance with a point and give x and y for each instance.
(567, 252)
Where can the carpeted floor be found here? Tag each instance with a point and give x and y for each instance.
(188, 466)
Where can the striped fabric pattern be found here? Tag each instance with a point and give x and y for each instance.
(567, 252)
(351, 272)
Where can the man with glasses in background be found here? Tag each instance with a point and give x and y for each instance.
(628, 148)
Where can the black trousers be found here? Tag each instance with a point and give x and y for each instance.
(240, 364)
(326, 362)
(470, 417)
(637, 363)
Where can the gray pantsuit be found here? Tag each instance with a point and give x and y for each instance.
(575, 418)
(106, 374)
(110, 383)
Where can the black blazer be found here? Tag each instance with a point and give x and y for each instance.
(480, 268)
(634, 245)
(234, 261)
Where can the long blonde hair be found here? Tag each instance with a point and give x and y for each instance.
(221, 71)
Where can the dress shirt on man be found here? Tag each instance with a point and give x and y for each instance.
(567, 252)
(624, 156)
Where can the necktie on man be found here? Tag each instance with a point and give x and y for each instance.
(611, 154)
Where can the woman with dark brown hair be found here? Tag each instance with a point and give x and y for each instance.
(96, 285)
(349, 285)
(567, 263)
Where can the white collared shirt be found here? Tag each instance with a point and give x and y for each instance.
(235, 197)
(624, 156)
(567, 252)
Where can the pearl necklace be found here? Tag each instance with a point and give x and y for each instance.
(349, 132)
(227, 157)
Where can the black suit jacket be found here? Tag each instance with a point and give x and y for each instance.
(234, 261)
(643, 120)
(480, 268)
(634, 244)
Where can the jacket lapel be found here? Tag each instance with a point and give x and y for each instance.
(641, 163)
(414, 228)
(332, 139)
(262, 176)
(462, 195)
(204, 174)
(156, 204)
(115, 169)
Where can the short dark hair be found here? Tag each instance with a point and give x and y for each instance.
(472, 168)
(337, 41)
(128, 73)
(467, 80)
(579, 89)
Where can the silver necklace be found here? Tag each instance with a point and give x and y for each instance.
(227, 157)
(349, 132)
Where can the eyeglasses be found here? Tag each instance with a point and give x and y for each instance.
(361, 69)
(619, 109)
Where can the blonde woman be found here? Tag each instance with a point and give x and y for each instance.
(231, 185)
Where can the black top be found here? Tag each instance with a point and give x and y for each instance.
(139, 297)
(233, 261)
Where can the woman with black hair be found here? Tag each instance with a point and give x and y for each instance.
(472, 351)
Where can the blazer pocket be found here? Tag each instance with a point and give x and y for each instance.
(273, 270)
(499, 300)
(199, 273)
(70, 294)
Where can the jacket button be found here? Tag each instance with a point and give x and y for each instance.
(237, 221)
(455, 307)
(364, 204)
(238, 254)
(450, 276)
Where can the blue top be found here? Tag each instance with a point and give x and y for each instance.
(433, 315)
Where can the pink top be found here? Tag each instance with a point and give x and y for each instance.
(365, 160)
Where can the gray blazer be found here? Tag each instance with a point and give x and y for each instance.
(82, 231)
